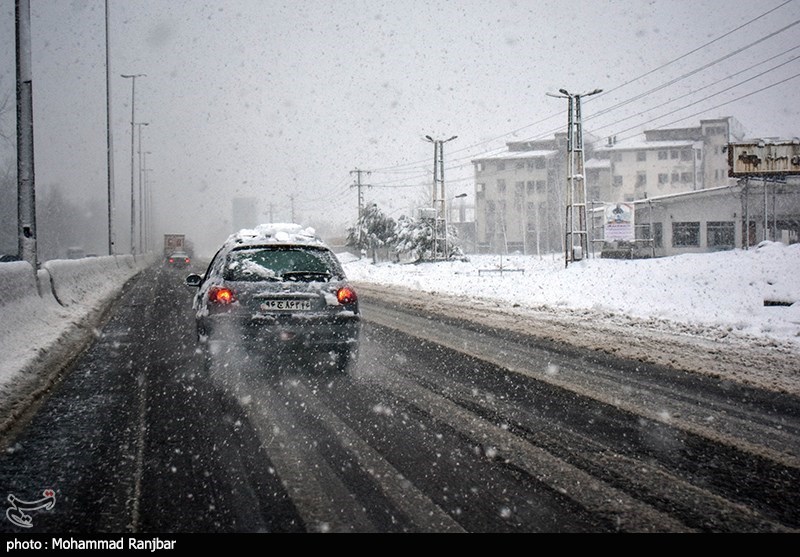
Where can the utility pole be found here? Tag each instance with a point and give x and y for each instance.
(144, 170)
(109, 147)
(26, 192)
(358, 172)
(133, 77)
(439, 203)
(141, 195)
(576, 244)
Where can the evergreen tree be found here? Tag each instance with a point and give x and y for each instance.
(376, 229)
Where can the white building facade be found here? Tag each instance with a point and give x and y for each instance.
(677, 179)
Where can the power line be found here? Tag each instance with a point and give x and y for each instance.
(633, 80)
(699, 48)
(713, 107)
(692, 72)
(700, 100)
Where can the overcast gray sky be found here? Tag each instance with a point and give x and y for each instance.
(276, 98)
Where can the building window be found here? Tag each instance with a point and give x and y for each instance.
(643, 233)
(663, 155)
(480, 191)
(501, 186)
(686, 155)
(674, 154)
(676, 177)
(478, 167)
(686, 177)
(616, 157)
(594, 193)
(540, 163)
(541, 185)
(685, 234)
(720, 234)
(519, 193)
(531, 186)
(641, 156)
(520, 165)
(641, 179)
(663, 179)
(629, 198)
(617, 181)
(501, 165)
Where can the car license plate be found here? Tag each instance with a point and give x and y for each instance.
(286, 305)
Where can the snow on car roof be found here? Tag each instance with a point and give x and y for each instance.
(276, 233)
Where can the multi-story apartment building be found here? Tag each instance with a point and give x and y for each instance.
(518, 201)
(519, 194)
(664, 161)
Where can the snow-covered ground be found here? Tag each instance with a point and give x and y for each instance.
(43, 324)
(711, 313)
(724, 289)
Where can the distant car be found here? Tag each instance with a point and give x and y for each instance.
(277, 291)
(178, 259)
(7, 258)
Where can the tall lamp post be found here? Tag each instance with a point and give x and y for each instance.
(440, 223)
(141, 197)
(577, 233)
(133, 77)
(144, 170)
(109, 144)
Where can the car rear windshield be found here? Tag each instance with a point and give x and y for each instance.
(282, 263)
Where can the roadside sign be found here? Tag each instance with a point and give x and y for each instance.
(764, 158)
(619, 222)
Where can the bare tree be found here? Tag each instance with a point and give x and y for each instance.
(6, 109)
(8, 171)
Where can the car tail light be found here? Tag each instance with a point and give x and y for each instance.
(171, 260)
(346, 295)
(221, 295)
(187, 260)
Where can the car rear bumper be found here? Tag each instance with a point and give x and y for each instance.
(283, 332)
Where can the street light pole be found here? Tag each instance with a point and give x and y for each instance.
(141, 197)
(144, 170)
(576, 235)
(133, 77)
(109, 146)
(439, 199)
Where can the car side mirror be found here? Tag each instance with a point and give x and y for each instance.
(194, 280)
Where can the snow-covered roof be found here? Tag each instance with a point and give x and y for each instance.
(641, 144)
(705, 191)
(276, 233)
(518, 155)
(598, 163)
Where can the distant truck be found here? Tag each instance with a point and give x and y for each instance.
(173, 243)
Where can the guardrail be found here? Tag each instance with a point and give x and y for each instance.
(36, 307)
